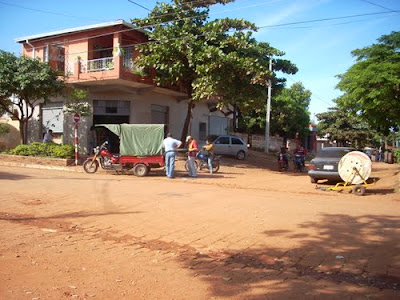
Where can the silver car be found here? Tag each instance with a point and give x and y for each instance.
(229, 145)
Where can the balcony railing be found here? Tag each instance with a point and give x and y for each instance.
(108, 63)
(95, 65)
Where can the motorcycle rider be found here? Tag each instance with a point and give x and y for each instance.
(284, 155)
(300, 150)
(209, 148)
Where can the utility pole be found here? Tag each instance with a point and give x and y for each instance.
(268, 115)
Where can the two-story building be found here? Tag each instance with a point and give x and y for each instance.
(100, 59)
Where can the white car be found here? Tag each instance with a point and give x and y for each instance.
(229, 145)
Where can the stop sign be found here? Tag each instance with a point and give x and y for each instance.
(77, 118)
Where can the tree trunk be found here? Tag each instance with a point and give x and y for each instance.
(188, 120)
(22, 131)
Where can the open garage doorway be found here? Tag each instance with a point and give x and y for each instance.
(109, 112)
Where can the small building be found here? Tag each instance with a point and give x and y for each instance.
(100, 58)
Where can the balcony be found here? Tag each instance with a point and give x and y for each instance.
(121, 66)
(96, 65)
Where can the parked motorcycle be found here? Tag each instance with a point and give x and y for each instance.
(108, 161)
(283, 162)
(298, 163)
(201, 162)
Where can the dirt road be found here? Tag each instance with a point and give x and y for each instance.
(246, 232)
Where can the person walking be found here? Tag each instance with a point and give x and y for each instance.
(170, 145)
(192, 152)
(209, 148)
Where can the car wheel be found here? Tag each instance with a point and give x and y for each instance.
(313, 180)
(241, 155)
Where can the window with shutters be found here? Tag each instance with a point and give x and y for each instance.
(159, 114)
(53, 117)
(202, 131)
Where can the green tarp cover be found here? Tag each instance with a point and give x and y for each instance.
(138, 139)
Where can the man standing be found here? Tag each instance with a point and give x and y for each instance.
(170, 145)
(192, 151)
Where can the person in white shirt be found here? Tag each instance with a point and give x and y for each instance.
(170, 145)
(48, 136)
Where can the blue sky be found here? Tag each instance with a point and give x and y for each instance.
(320, 49)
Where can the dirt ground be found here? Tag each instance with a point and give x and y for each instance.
(246, 232)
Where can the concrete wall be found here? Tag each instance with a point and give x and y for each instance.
(11, 139)
(257, 141)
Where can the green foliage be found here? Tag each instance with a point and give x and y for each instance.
(215, 60)
(372, 84)
(289, 113)
(29, 81)
(4, 128)
(396, 154)
(44, 150)
(77, 102)
(346, 128)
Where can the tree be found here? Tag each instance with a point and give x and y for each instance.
(346, 128)
(290, 111)
(209, 60)
(372, 84)
(24, 82)
(77, 102)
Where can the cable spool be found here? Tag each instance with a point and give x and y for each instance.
(357, 160)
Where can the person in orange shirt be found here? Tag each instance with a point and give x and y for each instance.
(192, 152)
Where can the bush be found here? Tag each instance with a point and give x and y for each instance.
(4, 128)
(396, 154)
(44, 150)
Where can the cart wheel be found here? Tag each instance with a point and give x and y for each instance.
(140, 170)
(359, 190)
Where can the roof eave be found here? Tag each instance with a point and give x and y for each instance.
(76, 29)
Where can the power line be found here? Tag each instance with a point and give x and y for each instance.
(49, 12)
(313, 94)
(260, 27)
(330, 25)
(328, 19)
(174, 20)
(378, 5)
(137, 4)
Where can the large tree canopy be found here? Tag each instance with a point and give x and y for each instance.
(289, 113)
(346, 129)
(210, 60)
(372, 84)
(23, 83)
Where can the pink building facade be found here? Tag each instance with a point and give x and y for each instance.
(101, 59)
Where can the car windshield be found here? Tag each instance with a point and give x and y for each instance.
(337, 153)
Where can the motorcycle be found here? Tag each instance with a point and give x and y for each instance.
(298, 163)
(283, 164)
(201, 162)
(108, 161)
